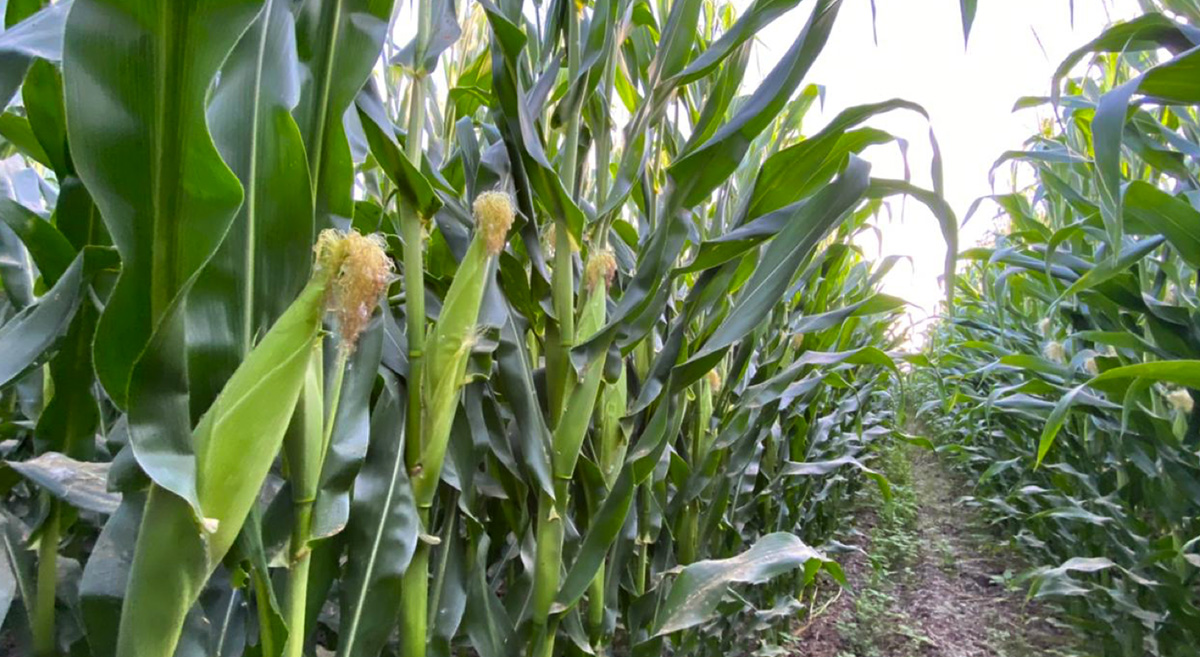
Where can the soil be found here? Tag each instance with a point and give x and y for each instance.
(934, 585)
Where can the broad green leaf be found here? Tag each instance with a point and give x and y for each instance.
(106, 574)
(756, 17)
(881, 188)
(81, 484)
(1149, 31)
(39, 36)
(1109, 268)
(819, 468)
(517, 125)
(698, 588)
(1154, 211)
(136, 78)
(412, 185)
(26, 338)
(707, 166)
(265, 257)
(236, 441)
(50, 251)
(42, 95)
(877, 303)
(136, 75)
(794, 172)
(382, 532)
(17, 574)
(1174, 81)
(1180, 372)
(16, 131)
(779, 264)
(348, 445)
(338, 42)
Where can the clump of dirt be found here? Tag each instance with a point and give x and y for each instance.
(927, 578)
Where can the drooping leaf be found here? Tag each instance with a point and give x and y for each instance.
(698, 588)
(81, 484)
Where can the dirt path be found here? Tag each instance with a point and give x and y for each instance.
(928, 579)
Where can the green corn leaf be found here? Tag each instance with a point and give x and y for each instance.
(50, 251)
(515, 381)
(351, 432)
(701, 170)
(796, 171)
(338, 42)
(82, 485)
(26, 338)
(698, 588)
(106, 575)
(38, 36)
(517, 124)
(18, 567)
(265, 258)
(147, 185)
(783, 257)
(1110, 268)
(236, 442)
(1149, 31)
(1149, 210)
(875, 304)
(1180, 372)
(42, 94)
(16, 271)
(17, 132)
(820, 468)
(757, 16)
(1174, 81)
(946, 221)
(382, 533)
(412, 185)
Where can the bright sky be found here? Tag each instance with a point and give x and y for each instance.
(969, 96)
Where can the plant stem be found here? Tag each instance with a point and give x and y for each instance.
(547, 566)
(47, 581)
(563, 293)
(306, 483)
(262, 594)
(414, 599)
(414, 591)
(298, 581)
(596, 608)
(563, 283)
(447, 537)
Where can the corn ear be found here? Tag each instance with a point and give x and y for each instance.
(236, 441)
(452, 339)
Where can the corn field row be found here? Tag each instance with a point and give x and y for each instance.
(532, 335)
(1065, 381)
(547, 331)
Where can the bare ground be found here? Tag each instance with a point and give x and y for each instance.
(929, 581)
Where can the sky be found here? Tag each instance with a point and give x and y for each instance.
(1015, 47)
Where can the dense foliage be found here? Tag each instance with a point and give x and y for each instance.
(1067, 376)
(582, 347)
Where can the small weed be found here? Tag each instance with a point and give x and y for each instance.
(876, 626)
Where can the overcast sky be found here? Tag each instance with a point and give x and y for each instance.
(969, 95)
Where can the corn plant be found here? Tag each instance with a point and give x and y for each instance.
(1065, 377)
(523, 376)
